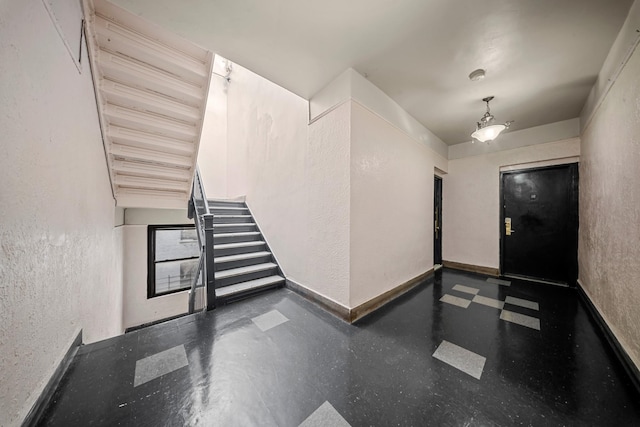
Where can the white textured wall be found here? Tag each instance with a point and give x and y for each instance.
(624, 45)
(60, 257)
(137, 308)
(212, 154)
(609, 240)
(471, 200)
(391, 206)
(295, 177)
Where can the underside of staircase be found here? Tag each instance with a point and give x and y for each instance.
(244, 264)
(151, 88)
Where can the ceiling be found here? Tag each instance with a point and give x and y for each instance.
(541, 57)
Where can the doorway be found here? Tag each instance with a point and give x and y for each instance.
(437, 220)
(539, 224)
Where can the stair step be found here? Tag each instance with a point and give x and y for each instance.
(244, 270)
(226, 203)
(239, 236)
(240, 257)
(230, 225)
(242, 233)
(249, 286)
(228, 208)
(238, 245)
(226, 219)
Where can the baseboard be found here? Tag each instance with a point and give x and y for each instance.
(622, 355)
(42, 402)
(473, 268)
(325, 303)
(155, 322)
(381, 300)
(351, 315)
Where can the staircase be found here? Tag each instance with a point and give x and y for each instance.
(151, 89)
(243, 262)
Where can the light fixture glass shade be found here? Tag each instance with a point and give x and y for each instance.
(488, 133)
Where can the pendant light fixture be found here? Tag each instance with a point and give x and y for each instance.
(486, 130)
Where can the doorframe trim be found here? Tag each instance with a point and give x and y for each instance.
(435, 179)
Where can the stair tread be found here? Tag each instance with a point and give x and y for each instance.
(232, 216)
(224, 201)
(248, 285)
(244, 270)
(231, 208)
(238, 244)
(237, 224)
(240, 257)
(237, 234)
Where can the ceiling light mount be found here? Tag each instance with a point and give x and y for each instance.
(485, 129)
(477, 75)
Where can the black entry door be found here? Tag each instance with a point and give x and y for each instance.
(540, 223)
(437, 220)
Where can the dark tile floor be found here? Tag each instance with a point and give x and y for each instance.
(278, 360)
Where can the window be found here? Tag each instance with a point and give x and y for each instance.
(173, 258)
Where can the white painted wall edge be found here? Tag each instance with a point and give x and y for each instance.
(551, 132)
(351, 85)
(441, 162)
(330, 97)
(621, 51)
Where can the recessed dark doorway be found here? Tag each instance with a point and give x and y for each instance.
(539, 223)
(437, 220)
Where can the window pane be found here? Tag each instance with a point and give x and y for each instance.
(176, 244)
(175, 275)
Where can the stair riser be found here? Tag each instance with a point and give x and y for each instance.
(242, 263)
(222, 211)
(223, 204)
(222, 239)
(247, 294)
(245, 277)
(235, 229)
(232, 220)
(236, 251)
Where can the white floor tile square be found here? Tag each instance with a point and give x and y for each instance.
(460, 302)
(325, 416)
(520, 319)
(159, 364)
(269, 320)
(490, 302)
(522, 303)
(460, 358)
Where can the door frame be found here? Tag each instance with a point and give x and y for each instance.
(437, 179)
(574, 200)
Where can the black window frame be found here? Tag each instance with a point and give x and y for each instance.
(151, 258)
